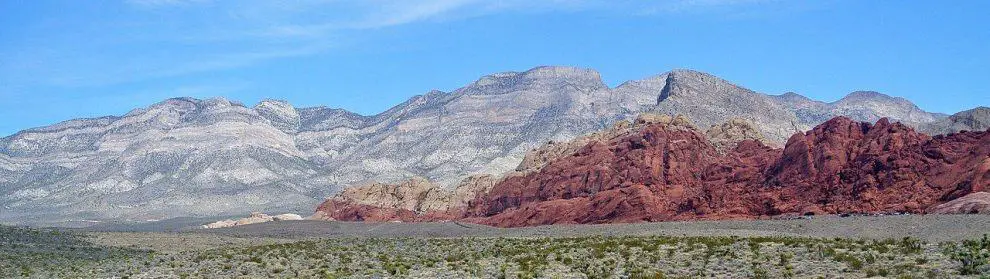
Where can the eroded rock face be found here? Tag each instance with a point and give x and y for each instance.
(414, 199)
(728, 134)
(614, 181)
(469, 188)
(974, 203)
(977, 119)
(254, 218)
(344, 210)
(667, 174)
(416, 194)
(537, 158)
(674, 172)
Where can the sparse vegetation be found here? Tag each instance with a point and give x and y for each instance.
(52, 253)
(27, 252)
(973, 256)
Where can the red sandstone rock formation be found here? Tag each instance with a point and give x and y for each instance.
(975, 203)
(671, 172)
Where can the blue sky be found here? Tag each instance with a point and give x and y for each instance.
(68, 59)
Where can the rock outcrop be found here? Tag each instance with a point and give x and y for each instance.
(410, 200)
(974, 203)
(551, 151)
(977, 119)
(667, 172)
(728, 134)
(866, 106)
(254, 218)
(708, 100)
(416, 195)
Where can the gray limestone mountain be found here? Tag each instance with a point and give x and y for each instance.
(708, 100)
(189, 157)
(176, 157)
(865, 106)
(977, 119)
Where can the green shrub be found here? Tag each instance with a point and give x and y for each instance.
(973, 255)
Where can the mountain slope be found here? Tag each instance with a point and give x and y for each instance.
(185, 156)
(865, 106)
(977, 119)
(708, 100)
(180, 156)
(671, 171)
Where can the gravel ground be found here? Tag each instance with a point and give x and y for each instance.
(932, 228)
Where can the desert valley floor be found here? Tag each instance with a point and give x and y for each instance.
(902, 246)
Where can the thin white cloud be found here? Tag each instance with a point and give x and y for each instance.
(404, 12)
(216, 35)
(164, 3)
(263, 22)
(703, 6)
(236, 60)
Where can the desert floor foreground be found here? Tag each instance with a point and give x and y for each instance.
(926, 227)
(906, 246)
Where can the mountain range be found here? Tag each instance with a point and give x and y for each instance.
(191, 157)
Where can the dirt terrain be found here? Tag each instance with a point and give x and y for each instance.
(927, 227)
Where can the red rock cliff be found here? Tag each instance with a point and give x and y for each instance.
(670, 172)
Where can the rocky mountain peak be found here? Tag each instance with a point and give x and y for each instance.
(179, 104)
(281, 114)
(573, 75)
(692, 76)
(435, 92)
(709, 100)
(498, 82)
(668, 88)
(870, 106)
(220, 102)
(861, 97)
(273, 103)
(186, 104)
(324, 119)
(791, 96)
(689, 82)
(977, 119)
(544, 76)
(866, 95)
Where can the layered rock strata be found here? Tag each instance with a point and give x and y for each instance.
(667, 171)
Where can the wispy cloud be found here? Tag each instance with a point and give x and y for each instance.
(259, 31)
(163, 3)
(168, 38)
(404, 12)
